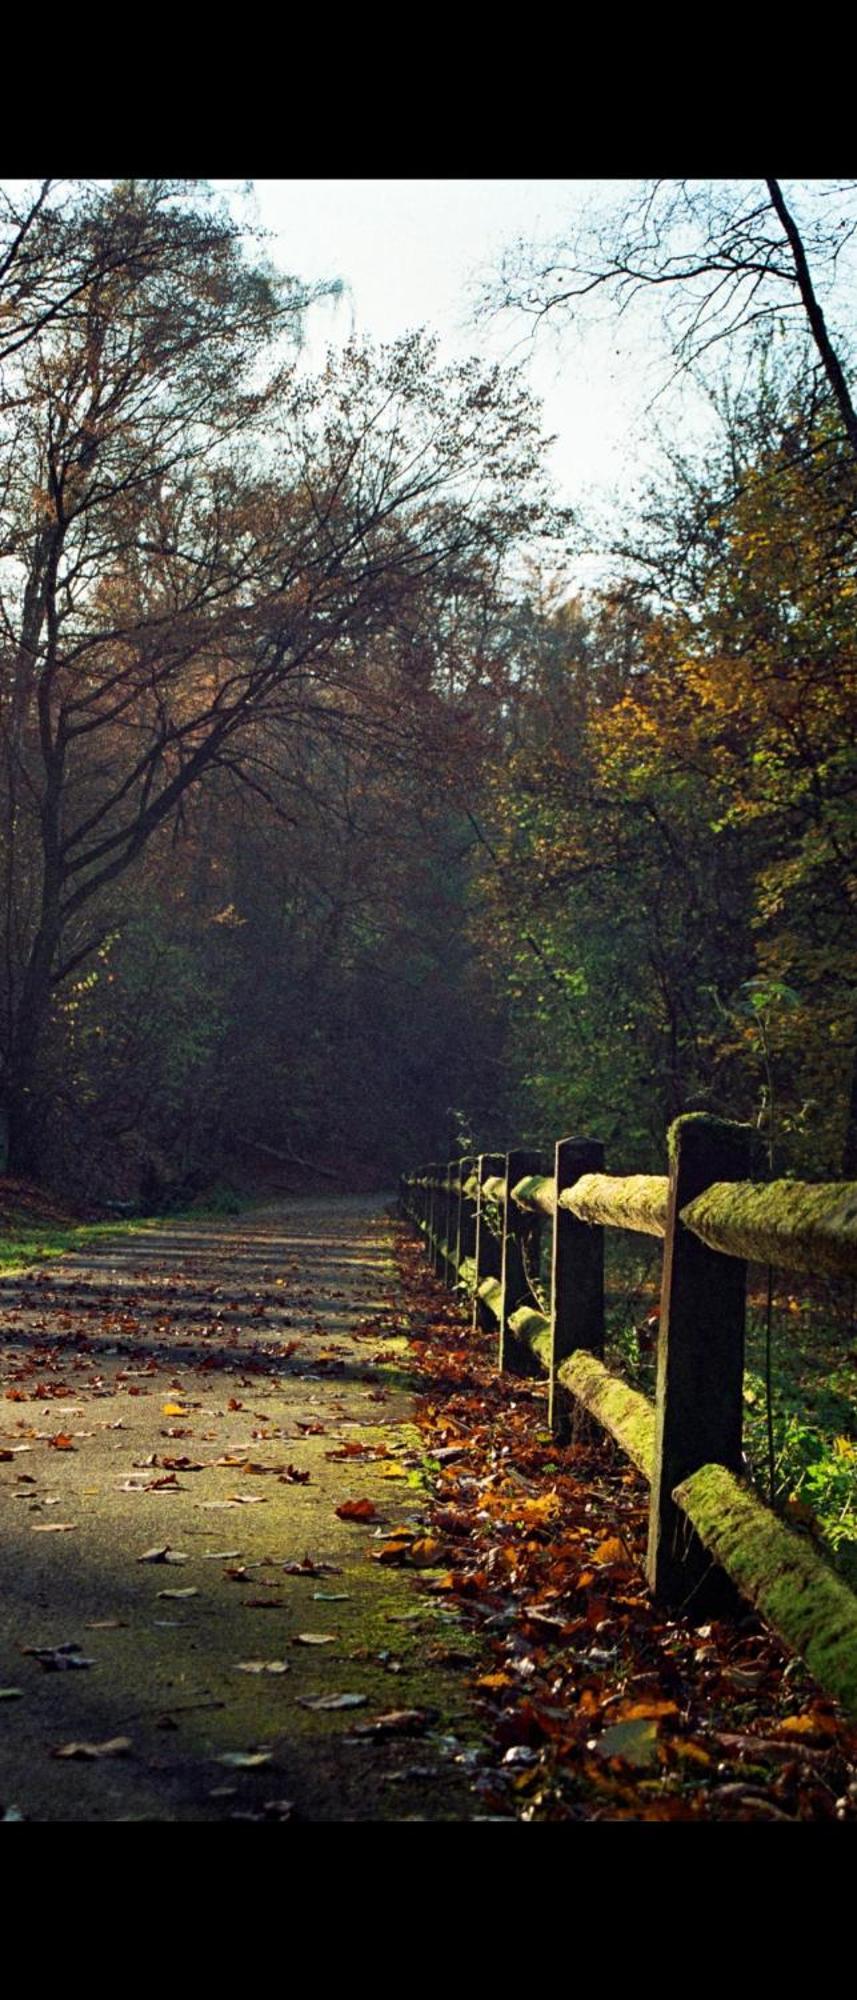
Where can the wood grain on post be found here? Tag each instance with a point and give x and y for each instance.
(487, 1248)
(521, 1241)
(577, 1272)
(700, 1352)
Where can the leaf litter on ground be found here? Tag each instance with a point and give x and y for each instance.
(598, 1705)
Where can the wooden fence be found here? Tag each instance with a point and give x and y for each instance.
(483, 1220)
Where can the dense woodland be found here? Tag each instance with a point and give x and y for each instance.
(333, 824)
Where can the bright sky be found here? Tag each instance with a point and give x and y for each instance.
(411, 253)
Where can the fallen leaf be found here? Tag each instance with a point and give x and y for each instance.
(53, 1527)
(174, 1410)
(62, 1442)
(613, 1550)
(245, 1760)
(818, 1724)
(357, 1510)
(636, 1742)
(55, 1659)
(115, 1746)
(262, 1667)
(638, 1711)
(324, 1701)
(190, 1591)
(309, 1567)
(425, 1552)
(10, 1694)
(545, 1508)
(399, 1722)
(315, 1638)
(162, 1555)
(246, 1500)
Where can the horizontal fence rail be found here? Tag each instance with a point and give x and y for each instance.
(482, 1219)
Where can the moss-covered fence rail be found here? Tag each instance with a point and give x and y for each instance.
(482, 1221)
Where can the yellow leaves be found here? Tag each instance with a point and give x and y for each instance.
(537, 1513)
(817, 1724)
(424, 1552)
(613, 1550)
(845, 1448)
(655, 1710)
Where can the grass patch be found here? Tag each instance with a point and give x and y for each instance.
(34, 1243)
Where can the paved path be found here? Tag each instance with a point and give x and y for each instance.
(172, 1393)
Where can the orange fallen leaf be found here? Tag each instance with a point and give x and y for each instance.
(425, 1552)
(611, 1551)
(357, 1510)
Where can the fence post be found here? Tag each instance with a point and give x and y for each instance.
(521, 1242)
(577, 1273)
(438, 1215)
(431, 1211)
(700, 1350)
(487, 1250)
(450, 1217)
(466, 1214)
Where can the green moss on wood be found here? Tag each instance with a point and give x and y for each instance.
(536, 1193)
(624, 1412)
(532, 1327)
(629, 1201)
(491, 1294)
(467, 1274)
(793, 1588)
(699, 1121)
(802, 1225)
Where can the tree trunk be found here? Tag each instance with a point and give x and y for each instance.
(20, 1092)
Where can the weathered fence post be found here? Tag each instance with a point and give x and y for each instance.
(577, 1273)
(521, 1241)
(700, 1350)
(487, 1251)
(467, 1223)
(431, 1210)
(450, 1225)
(439, 1221)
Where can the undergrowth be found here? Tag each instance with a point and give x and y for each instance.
(814, 1343)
